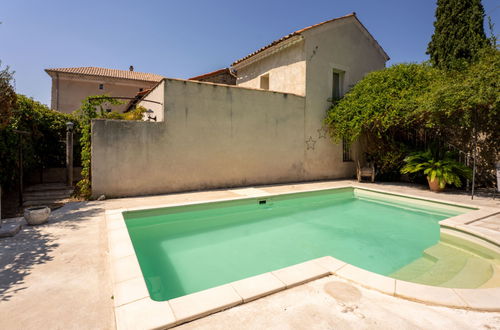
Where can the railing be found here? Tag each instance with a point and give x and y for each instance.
(463, 157)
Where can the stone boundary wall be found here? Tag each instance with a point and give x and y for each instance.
(212, 136)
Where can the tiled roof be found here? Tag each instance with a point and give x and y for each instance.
(114, 73)
(214, 73)
(298, 32)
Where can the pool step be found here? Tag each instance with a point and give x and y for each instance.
(448, 264)
(474, 274)
(494, 281)
(468, 247)
(414, 269)
(441, 265)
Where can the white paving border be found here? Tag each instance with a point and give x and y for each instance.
(134, 309)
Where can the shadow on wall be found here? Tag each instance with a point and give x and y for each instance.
(33, 246)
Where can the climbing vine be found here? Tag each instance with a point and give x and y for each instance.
(406, 107)
(93, 107)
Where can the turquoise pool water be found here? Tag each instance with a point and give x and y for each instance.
(186, 249)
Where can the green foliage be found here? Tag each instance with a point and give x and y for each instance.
(381, 104)
(42, 147)
(446, 170)
(136, 114)
(93, 107)
(382, 107)
(467, 103)
(402, 108)
(7, 96)
(459, 33)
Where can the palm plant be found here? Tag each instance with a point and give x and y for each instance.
(444, 171)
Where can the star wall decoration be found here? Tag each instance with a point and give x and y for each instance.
(310, 143)
(322, 132)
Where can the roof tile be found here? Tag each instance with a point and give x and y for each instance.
(114, 73)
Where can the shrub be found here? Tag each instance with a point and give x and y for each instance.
(42, 147)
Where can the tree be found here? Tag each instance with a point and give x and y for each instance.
(41, 148)
(7, 96)
(458, 34)
(466, 104)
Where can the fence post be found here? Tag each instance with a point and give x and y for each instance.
(69, 153)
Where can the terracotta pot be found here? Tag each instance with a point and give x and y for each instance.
(36, 215)
(434, 185)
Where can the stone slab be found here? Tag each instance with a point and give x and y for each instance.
(258, 286)
(125, 268)
(330, 263)
(429, 294)
(368, 279)
(300, 273)
(144, 314)
(481, 299)
(131, 290)
(199, 304)
(9, 229)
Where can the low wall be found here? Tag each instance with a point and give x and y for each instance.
(212, 136)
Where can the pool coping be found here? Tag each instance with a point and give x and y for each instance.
(134, 309)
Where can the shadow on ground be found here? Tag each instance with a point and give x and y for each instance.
(33, 245)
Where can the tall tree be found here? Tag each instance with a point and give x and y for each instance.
(458, 33)
(7, 96)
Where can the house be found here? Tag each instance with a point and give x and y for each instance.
(320, 61)
(72, 85)
(268, 128)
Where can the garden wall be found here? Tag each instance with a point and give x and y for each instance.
(212, 136)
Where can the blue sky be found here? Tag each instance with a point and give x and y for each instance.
(181, 39)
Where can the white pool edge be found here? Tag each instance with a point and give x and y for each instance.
(134, 309)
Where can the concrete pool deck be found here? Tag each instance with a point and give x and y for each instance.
(58, 275)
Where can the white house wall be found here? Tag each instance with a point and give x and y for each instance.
(286, 69)
(154, 101)
(342, 46)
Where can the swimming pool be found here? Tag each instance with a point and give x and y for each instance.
(186, 249)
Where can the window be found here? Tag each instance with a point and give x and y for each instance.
(101, 86)
(108, 110)
(264, 81)
(336, 87)
(346, 151)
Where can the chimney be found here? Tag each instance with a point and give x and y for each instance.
(131, 68)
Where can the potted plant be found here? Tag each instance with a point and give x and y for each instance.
(439, 172)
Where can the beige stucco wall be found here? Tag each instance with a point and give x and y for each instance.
(154, 101)
(343, 46)
(213, 136)
(68, 91)
(286, 69)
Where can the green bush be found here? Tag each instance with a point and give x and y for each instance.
(381, 108)
(405, 107)
(43, 147)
